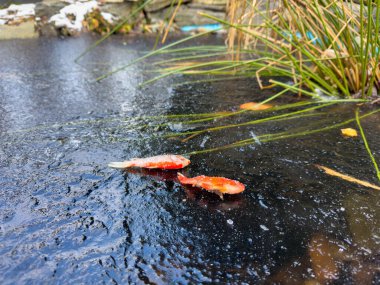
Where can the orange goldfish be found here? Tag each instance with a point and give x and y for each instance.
(255, 106)
(217, 185)
(169, 161)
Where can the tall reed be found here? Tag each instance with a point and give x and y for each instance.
(328, 46)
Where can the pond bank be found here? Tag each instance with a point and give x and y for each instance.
(69, 18)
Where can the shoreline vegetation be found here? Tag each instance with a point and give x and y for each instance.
(327, 52)
(324, 49)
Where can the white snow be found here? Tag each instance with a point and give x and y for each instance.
(77, 11)
(108, 17)
(16, 12)
(73, 15)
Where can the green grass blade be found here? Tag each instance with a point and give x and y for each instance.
(152, 53)
(366, 144)
(280, 136)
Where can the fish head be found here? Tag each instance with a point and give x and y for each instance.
(234, 187)
(182, 160)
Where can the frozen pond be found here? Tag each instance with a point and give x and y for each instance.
(66, 218)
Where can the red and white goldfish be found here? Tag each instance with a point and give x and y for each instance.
(217, 185)
(169, 161)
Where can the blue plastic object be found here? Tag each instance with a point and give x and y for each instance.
(309, 35)
(210, 27)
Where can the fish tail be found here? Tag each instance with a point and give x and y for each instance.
(183, 179)
(121, 164)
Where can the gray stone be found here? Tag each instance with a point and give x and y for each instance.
(121, 10)
(48, 9)
(189, 16)
(43, 11)
(112, 1)
(210, 3)
(24, 30)
(158, 5)
(218, 8)
(47, 30)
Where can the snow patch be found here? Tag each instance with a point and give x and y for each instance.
(108, 17)
(16, 13)
(73, 15)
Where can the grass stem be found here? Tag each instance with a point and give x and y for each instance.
(366, 144)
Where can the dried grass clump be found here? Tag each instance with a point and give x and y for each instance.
(331, 46)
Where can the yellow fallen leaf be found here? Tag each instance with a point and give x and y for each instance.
(348, 178)
(349, 132)
(255, 106)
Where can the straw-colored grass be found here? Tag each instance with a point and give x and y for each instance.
(326, 48)
(329, 46)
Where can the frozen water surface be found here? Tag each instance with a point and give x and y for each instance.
(66, 218)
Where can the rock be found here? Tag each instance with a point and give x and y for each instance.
(356, 9)
(111, 1)
(53, 16)
(47, 30)
(189, 16)
(24, 30)
(158, 5)
(72, 16)
(51, 20)
(47, 9)
(218, 8)
(15, 14)
(210, 2)
(122, 10)
(44, 11)
(214, 5)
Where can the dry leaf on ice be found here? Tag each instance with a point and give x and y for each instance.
(349, 132)
(255, 106)
(332, 172)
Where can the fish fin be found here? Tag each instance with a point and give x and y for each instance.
(152, 167)
(217, 192)
(182, 178)
(121, 164)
